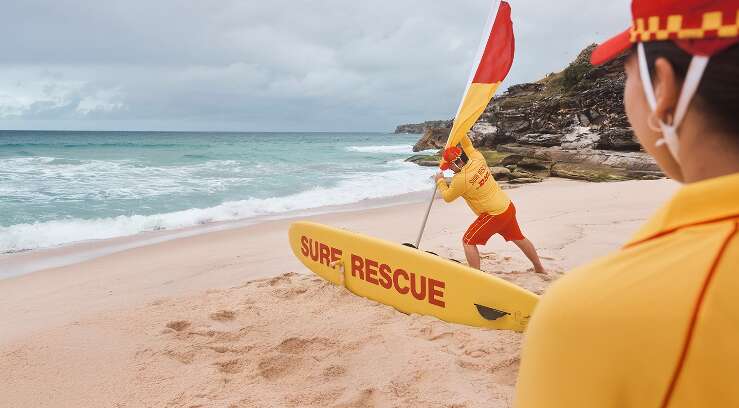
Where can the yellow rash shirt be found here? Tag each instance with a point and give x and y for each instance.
(476, 185)
(655, 324)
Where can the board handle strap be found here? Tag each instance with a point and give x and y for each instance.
(339, 266)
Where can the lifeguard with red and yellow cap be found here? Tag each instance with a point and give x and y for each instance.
(495, 212)
(472, 178)
(656, 324)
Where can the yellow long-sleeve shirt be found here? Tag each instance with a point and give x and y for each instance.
(476, 185)
(655, 324)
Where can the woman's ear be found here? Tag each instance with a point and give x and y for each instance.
(666, 90)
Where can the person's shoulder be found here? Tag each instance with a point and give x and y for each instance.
(694, 254)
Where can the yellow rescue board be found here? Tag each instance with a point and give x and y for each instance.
(410, 280)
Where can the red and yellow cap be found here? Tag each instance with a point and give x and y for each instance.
(699, 27)
(450, 154)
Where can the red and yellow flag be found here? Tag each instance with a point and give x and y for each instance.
(493, 61)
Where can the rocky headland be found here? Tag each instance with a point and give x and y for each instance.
(569, 124)
(420, 128)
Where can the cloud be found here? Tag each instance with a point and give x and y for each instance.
(271, 65)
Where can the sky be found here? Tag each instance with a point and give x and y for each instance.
(276, 65)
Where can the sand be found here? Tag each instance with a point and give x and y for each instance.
(231, 319)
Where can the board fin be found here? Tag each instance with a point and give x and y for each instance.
(488, 313)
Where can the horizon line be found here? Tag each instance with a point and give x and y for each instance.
(200, 131)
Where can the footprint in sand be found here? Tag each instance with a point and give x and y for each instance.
(297, 345)
(471, 364)
(546, 277)
(364, 399)
(288, 293)
(223, 315)
(184, 357)
(220, 336)
(230, 366)
(278, 280)
(276, 366)
(433, 332)
(178, 325)
(334, 371)
(476, 353)
(221, 349)
(505, 371)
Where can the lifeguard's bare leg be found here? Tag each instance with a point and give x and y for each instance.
(472, 255)
(528, 249)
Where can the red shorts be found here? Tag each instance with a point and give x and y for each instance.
(486, 225)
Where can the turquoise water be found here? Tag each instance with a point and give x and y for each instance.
(62, 187)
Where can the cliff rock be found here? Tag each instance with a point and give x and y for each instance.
(568, 119)
(419, 128)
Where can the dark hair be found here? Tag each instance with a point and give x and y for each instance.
(718, 91)
(463, 157)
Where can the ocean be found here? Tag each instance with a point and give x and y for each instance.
(61, 187)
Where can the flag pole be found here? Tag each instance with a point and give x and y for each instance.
(426, 217)
(488, 71)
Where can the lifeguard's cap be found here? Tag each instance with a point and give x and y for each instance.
(450, 154)
(699, 27)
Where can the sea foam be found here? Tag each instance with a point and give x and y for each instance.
(400, 179)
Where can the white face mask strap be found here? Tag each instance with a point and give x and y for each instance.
(690, 85)
(646, 79)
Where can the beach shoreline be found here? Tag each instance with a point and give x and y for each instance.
(231, 317)
(18, 263)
